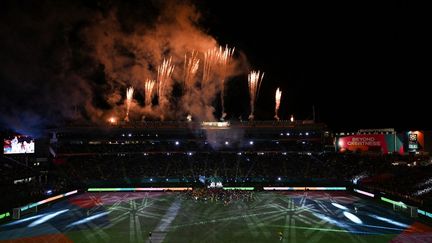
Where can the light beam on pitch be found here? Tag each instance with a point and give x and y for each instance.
(339, 206)
(88, 219)
(25, 220)
(47, 217)
(390, 221)
(329, 220)
(352, 217)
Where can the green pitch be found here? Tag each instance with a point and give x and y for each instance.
(173, 217)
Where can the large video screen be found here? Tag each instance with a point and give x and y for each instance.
(18, 144)
(384, 143)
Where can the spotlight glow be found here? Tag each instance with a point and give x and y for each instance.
(329, 220)
(339, 206)
(353, 218)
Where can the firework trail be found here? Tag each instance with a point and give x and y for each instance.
(277, 100)
(225, 56)
(217, 60)
(129, 94)
(165, 71)
(190, 92)
(191, 66)
(254, 83)
(148, 88)
(211, 59)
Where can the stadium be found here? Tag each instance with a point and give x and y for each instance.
(135, 121)
(260, 181)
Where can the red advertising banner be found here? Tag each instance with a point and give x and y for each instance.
(366, 142)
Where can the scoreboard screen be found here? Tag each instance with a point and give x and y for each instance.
(18, 144)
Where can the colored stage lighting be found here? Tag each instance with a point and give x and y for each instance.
(339, 206)
(47, 217)
(24, 220)
(88, 219)
(390, 221)
(353, 218)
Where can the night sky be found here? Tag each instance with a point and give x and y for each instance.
(361, 64)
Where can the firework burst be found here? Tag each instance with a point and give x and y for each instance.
(191, 66)
(148, 88)
(225, 57)
(129, 96)
(112, 120)
(278, 96)
(165, 72)
(254, 83)
(217, 61)
(211, 59)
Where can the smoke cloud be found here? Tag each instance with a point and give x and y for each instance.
(130, 57)
(72, 61)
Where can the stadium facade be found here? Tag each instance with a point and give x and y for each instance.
(174, 137)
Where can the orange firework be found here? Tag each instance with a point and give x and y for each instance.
(254, 83)
(225, 56)
(216, 61)
(112, 120)
(165, 72)
(191, 66)
(129, 96)
(277, 100)
(211, 59)
(148, 87)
